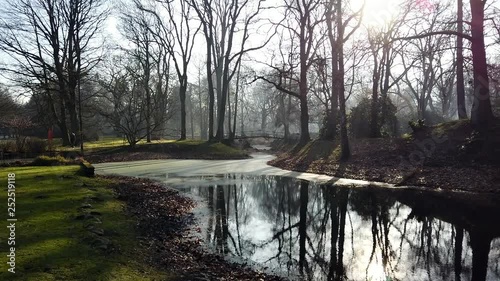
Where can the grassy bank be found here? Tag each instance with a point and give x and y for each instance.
(70, 228)
(116, 150)
(105, 143)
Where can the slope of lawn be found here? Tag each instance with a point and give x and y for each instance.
(70, 228)
(105, 143)
(116, 150)
(186, 149)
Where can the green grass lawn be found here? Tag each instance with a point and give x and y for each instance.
(189, 148)
(52, 245)
(105, 143)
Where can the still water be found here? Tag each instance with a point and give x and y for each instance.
(309, 231)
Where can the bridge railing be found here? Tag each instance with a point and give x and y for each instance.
(260, 134)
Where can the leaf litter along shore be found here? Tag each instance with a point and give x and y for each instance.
(165, 221)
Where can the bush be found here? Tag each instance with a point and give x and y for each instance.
(51, 161)
(328, 126)
(360, 119)
(36, 145)
(8, 146)
(417, 125)
(406, 136)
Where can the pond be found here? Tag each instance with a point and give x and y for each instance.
(309, 231)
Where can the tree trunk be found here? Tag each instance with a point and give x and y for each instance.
(304, 111)
(221, 112)
(374, 131)
(211, 115)
(233, 131)
(242, 122)
(288, 112)
(64, 133)
(182, 96)
(62, 96)
(211, 94)
(462, 112)
(229, 116)
(73, 117)
(191, 115)
(147, 74)
(236, 94)
(71, 70)
(221, 109)
(263, 117)
(62, 124)
(221, 102)
(71, 88)
(330, 131)
(384, 91)
(481, 115)
(304, 121)
(303, 87)
(203, 129)
(148, 118)
(283, 115)
(344, 138)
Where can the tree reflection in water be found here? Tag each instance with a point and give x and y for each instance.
(333, 233)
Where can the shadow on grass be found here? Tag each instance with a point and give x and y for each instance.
(52, 245)
(186, 149)
(304, 155)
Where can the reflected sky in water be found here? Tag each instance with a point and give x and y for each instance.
(319, 232)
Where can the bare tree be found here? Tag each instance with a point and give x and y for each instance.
(445, 84)
(8, 106)
(228, 26)
(301, 21)
(136, 28)
(384, 54)
(462, 112)
(177, 34)
(241, 81)
(51, 45)
(18, 125)
(481, 113)
(206, 17)
(162, 88)
(429, 53)
(123, 102)
(337, 13)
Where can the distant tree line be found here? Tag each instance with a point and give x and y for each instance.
(216, 69)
